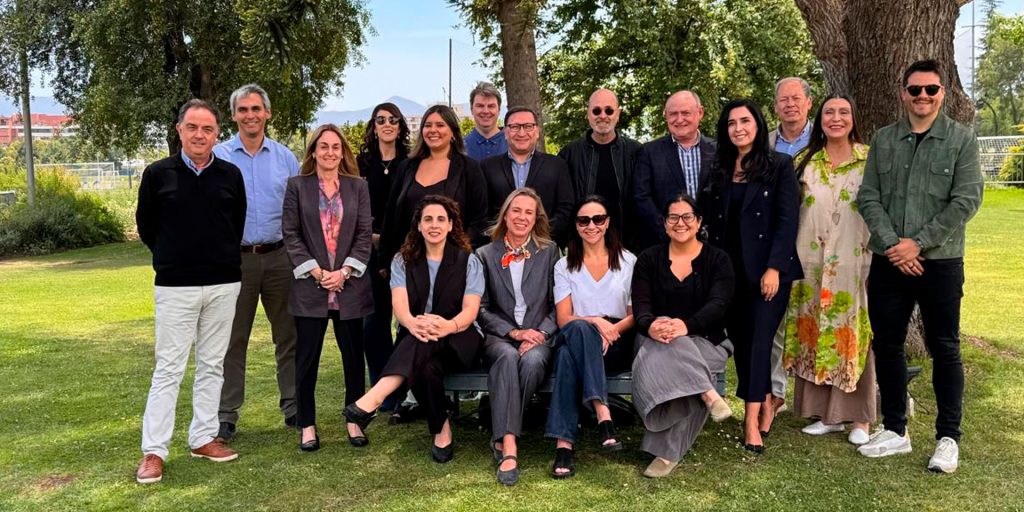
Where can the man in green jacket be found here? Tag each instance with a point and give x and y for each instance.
(921, 186)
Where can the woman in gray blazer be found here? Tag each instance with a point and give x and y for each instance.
(328, 232)
(517, 316)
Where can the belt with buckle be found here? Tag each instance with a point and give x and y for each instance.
(262, 248)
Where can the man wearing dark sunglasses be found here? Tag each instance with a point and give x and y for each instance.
(601, 162)
(676, 163)
(922, 183)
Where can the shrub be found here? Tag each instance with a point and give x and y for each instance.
(63, 217)
(1013, 165)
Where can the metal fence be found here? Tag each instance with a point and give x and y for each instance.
(994, 153)
(101, 175)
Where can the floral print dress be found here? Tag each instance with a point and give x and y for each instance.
(827, 327)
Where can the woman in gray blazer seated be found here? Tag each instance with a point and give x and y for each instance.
(436, 285)
(517, 316)
(328, 232)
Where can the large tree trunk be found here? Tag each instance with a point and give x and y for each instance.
(517, 21)
(864, 45)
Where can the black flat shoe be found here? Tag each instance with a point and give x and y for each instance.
(510, 477)
(496, 453)
(358, 416)
(309, 446)
(607, 430)
(358, 441)
(757, 449)
(442, 455)
(764, 433)
(564, 459)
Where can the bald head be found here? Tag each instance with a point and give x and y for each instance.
(603, 115)
(683, 113)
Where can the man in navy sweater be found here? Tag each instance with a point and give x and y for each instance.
(191, 214)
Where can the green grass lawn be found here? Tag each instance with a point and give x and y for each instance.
(76, 337)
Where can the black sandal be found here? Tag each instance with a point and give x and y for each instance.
(510, 477)
(607, 430)
(358, 416)
(564, 459)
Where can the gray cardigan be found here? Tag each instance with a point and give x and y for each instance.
(497, 306)
(304, 240)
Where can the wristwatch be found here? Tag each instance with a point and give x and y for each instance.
(345, 272)
(545, 333)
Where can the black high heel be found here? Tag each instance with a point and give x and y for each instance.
(358, 416)
(309, 446)
(607, 430)
(357, 441)
(442, 455)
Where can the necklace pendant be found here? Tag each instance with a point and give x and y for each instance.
(385, 171)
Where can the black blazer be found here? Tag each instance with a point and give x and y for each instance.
(659, 177)
(768, 221)
(465, 184)
(548, 176)
(304, 241)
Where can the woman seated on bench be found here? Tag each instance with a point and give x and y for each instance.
(596, 320)
(517, 317)
(436, 285)
(681, 292)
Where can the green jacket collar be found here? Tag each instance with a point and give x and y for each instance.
(939, 130)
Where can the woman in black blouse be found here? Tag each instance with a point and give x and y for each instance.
(681, 293)
(438, 165)
(752, 209)
(385, 146)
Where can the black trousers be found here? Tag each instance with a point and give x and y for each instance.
(751, 324)
(424, 365)
(891, 298)
(349, 336)
(377, 328)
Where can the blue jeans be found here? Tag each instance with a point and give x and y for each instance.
(579, 375)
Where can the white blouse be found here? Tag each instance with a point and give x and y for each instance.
(608, 297)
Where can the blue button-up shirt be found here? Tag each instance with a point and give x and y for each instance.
(479, 147)
(689, 161)
(520, 171)
(192, 165)
(266, 175)
(792, 148)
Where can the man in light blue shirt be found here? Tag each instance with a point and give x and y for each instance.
(266, 166)
(486, 139)
(792, 105)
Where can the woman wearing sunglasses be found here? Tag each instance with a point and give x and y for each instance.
(593, 310)
(827, 332)
(517, 318)
(751, 211)
(385, 146)
(681, 293)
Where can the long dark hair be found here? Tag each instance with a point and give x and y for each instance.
(421, 150)
(757, 164)
(612, 241)
(370, 148)
(414, 247)
(818, 138)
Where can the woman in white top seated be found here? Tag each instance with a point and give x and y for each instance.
(595, 317)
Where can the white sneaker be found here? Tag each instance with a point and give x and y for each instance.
(819, 429)
(885, 443)
(946, 458)
(858, 436)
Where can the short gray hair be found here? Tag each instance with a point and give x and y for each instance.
(487, 89)
(246, 90)
(803, 83)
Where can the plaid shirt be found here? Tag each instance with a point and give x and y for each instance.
(689, 160)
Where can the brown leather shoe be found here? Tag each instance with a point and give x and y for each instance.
(215, 451)
(151, 469)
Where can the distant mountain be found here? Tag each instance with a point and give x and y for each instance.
(408, 108)
(40, 105)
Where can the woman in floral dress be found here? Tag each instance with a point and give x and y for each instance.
(827, 329)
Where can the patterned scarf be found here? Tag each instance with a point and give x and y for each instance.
(516, 254)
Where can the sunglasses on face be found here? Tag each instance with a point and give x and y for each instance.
(674, 218)
(598, 220)
(930, 90)
(392, 120)
(607, 111)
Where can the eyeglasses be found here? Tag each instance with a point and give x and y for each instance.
(674, 218)
(931, 90)
(607, 111)
(598, 220)
(521, 126)
(392, 120)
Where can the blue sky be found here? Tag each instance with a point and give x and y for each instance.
(408, 56)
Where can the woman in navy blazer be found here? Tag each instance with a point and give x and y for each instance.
(751, 209)
(328, 231)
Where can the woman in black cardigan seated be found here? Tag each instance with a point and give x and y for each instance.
(752, 209)
(681, 292)
(436, 284)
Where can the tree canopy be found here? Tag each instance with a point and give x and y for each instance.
(999, 85)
